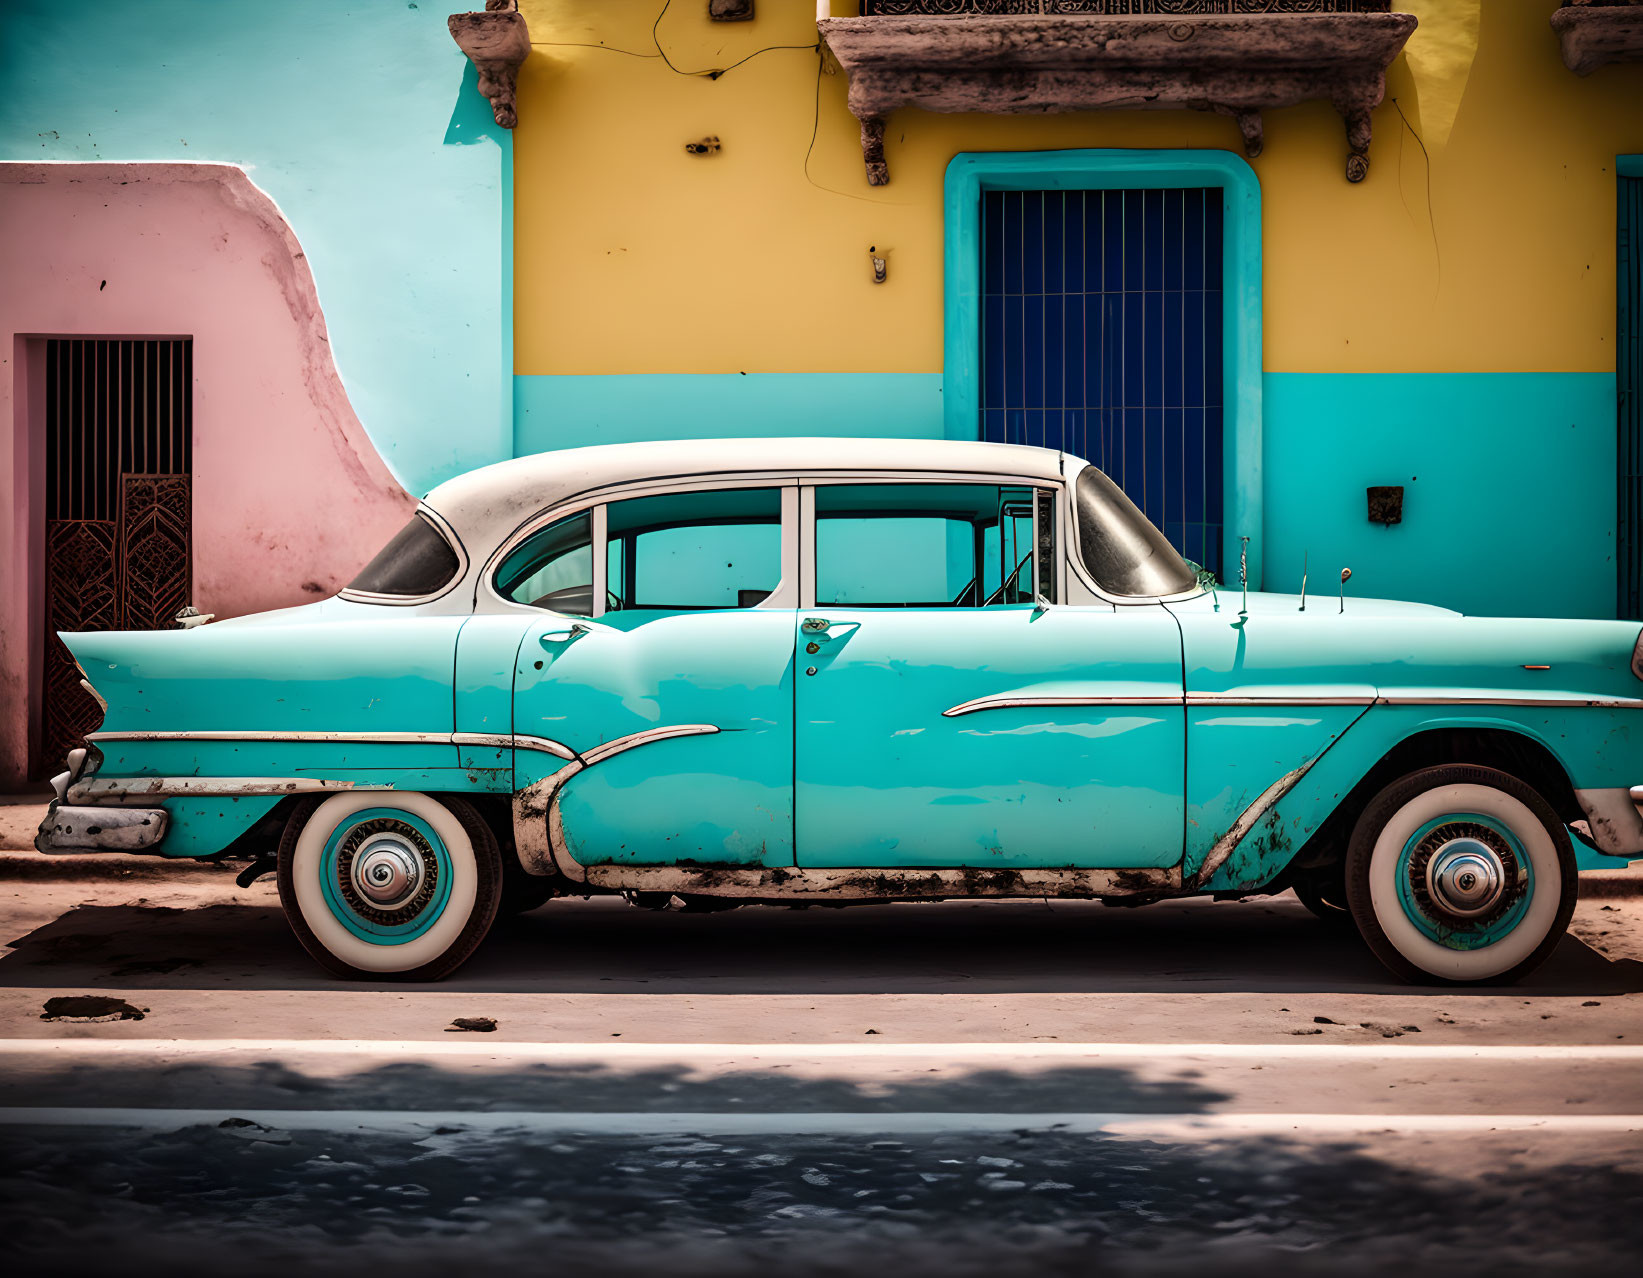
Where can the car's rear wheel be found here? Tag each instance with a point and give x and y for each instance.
(398, 884)
(1460, 874)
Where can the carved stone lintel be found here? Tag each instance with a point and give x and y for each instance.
(872, 150)
(1592, 35)
(1236, 65)
(497, 42)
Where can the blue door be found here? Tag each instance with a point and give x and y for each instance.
(1101, 335)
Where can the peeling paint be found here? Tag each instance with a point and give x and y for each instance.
(1247, 820)
(872, 884)
(1615, 821)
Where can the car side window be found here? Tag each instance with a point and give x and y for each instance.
(697, 550)
(933, 545)
(552, 568)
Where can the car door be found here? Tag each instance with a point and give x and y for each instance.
(665, 658)
(951, 712)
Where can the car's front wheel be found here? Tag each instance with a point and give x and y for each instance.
(1323, 892)
(1460, 874)
(389, 884)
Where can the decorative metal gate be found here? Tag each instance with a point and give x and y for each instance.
(119, 443)
(1629, 384)
(1101, 334)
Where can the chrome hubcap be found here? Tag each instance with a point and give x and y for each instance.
(387, 871)
(1466, 877)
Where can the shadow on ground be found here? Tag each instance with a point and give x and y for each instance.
(252, 1199)
(605, 947)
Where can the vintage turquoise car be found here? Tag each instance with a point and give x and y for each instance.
(743, 671)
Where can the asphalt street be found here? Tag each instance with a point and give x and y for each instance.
(955, 1088)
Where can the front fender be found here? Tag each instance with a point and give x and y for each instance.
(1595, 746)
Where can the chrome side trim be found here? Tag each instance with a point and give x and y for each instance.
(538, 829)
(621, 745)
(102, 703)
(1596, 703)
(1008, 702)
(500, 740)
(214, 787)
(513, 741)
(361, 738)
(1234, 699)
(534, 810)
(1017, 700)
(870, 883)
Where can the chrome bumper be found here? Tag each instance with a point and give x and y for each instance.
(1614, 818)
(100, 829)
(71, 827)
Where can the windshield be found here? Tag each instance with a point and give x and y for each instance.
(1123, 551)
(418, 561)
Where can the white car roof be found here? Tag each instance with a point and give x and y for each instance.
(484, 506)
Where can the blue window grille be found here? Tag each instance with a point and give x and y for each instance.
(1629, 385)
(1101, 335)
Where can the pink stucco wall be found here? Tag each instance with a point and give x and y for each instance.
(290, 497)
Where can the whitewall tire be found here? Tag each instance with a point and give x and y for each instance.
(1460, 874)
(389, 883)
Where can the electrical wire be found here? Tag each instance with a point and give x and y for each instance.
(709, 73)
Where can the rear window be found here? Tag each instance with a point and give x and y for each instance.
(418, 561)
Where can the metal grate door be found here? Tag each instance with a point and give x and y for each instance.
(1629, 384)
(119, 443)
(1101, 335)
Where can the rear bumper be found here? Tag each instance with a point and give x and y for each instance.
(73, 827)
(1614, 817)
(68, 828)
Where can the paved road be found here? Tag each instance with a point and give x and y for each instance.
(946, 1088)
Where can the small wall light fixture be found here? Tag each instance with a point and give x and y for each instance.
(881, 264)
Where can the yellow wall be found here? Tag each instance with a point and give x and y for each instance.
(633, 256)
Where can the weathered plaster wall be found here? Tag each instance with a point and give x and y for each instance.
(362, 122)
(635, 257)
(662, 293)
(289, 494)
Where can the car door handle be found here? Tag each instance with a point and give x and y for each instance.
(576, 631)
(822, 631)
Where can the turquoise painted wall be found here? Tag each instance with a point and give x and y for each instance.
(562, 411)
(363, 124)
(1509, 500)
(1509, 492)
